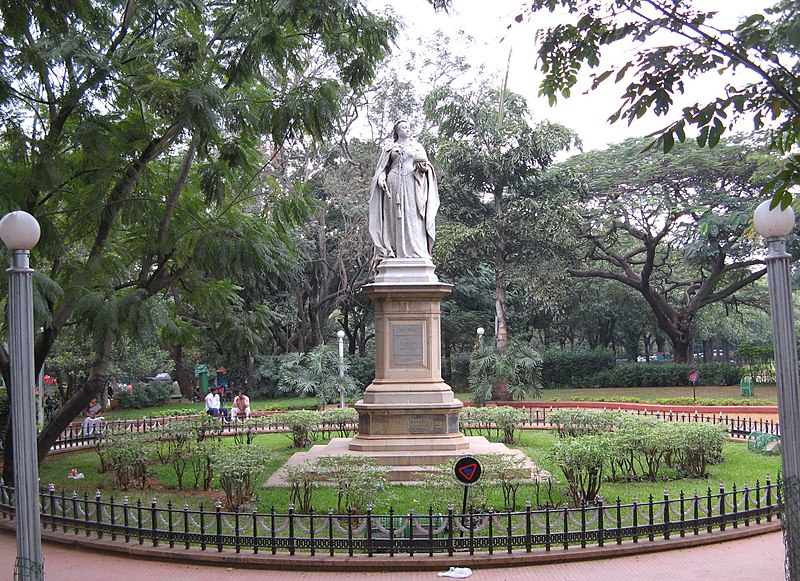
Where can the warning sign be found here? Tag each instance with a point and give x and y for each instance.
(468, 470)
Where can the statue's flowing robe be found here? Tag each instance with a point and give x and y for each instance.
(402, 217)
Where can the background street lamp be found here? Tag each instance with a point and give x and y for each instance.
(774, 225)
(480, 331)
(340, 336)
(20, 232)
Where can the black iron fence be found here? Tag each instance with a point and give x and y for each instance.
(410, 533)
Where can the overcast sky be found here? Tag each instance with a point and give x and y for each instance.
(488, 22)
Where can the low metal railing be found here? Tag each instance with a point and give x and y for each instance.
(409, 533)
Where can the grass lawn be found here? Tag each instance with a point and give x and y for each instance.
(645, 394)
(740, 467)
(649, 394)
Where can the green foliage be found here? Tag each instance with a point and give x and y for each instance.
(239, 469)
(573, 368)
(127, 455)
(506, 471)
(341, 420)
(582, 460)
(316, 374)
(476, 420)
(358, 480)
(633, 447)
(302, 424)
(763, 45)
(508, 419)
(301, 479)
(155, 393)
(520, 367)
(758, 362)
(693, 446)
(574, 423)
(666, 374)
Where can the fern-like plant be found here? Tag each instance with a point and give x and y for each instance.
(520, 367)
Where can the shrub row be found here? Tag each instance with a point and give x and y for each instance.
(574, 368)
(598, 445)
(666, 375)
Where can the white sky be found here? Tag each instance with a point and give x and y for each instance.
(488, 20)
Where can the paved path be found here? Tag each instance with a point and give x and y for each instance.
(754, 559)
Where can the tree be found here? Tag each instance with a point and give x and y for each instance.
(136, 131)
(763, 45)
(672, 226)
(493, 162)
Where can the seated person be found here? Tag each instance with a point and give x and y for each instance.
(213, 406)
(241, 406)
(91, 421)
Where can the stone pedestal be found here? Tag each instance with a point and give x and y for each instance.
(408, 419)
(408, 407)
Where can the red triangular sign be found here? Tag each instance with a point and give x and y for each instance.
(468, 471)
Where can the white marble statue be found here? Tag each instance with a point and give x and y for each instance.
(404, 198)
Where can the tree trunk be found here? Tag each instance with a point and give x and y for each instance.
(501, 297)
(72, 408)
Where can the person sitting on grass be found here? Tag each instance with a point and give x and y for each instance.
(241, 406)
(92, 420)
(213, 406)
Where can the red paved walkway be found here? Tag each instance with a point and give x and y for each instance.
(754, 559)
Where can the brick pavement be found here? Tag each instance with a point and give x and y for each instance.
(757, 558)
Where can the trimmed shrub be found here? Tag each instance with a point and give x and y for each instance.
(573, 368)
(507, 419)
(239, 469)
(357, 479)
(694, 446)
(582, 460)
(340, 420)
(573, 423)
(155, 393)
(666, 375)
(302, 424)
(475, 421)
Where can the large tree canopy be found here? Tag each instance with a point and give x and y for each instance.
(135, 133)
(494, 163)
(672, 226)
(764, 45)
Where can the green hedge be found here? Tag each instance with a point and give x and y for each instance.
(666, 375)
(574, 368)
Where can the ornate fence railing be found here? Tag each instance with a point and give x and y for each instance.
(410, 533)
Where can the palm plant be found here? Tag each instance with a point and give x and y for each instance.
(519, 368)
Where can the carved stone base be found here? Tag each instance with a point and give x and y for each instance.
(410, 464)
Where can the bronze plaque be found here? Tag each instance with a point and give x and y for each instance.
(407, 345)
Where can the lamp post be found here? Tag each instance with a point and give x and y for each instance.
(20, 232)
(480, 331)
(340, 336)
(774, 225)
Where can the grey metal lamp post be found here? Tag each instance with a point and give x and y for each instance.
(774, 225)
(480, 331)
(20, 232)
(340, 336)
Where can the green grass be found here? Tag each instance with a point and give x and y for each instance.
(740, 467)
(766, 394)
(762, 393)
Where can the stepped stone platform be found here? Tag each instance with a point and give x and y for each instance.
(407, 466)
